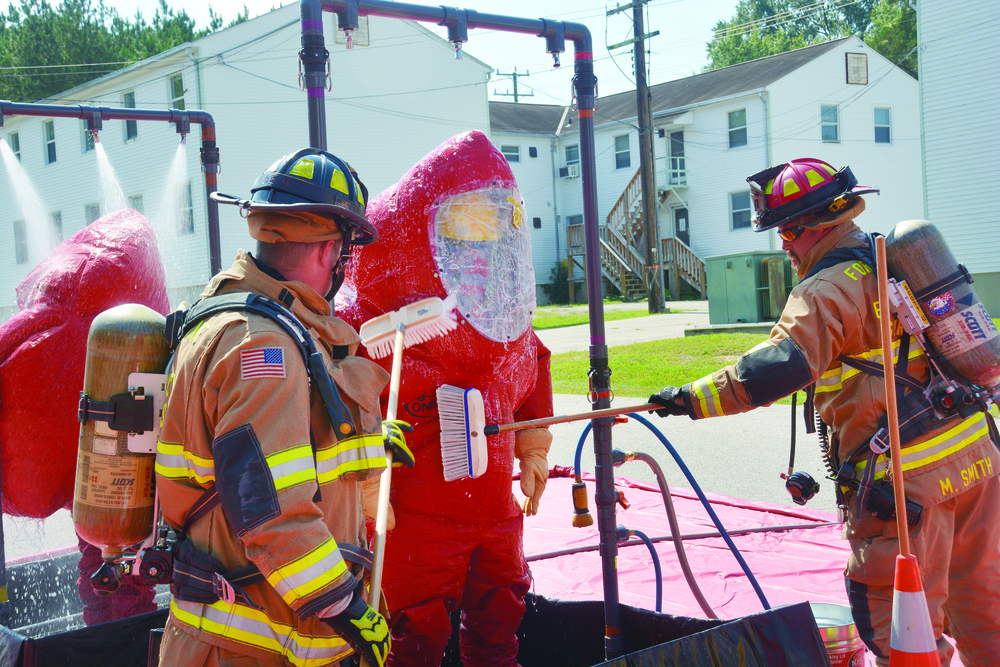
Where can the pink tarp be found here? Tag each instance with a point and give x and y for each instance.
(790, 566)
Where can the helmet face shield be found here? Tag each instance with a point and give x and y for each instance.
(483, 254)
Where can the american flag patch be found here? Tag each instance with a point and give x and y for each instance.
(268, 362)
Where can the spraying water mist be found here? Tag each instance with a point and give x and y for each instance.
(41, 234)
(112, 195)
(172, 216)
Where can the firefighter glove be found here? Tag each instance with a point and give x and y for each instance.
(668, 398)
(392, 433)
(364, 629)
(531, 447)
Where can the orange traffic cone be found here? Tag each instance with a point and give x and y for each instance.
(912, 643)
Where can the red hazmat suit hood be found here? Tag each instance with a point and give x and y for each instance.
(453, 224)
(114, 260)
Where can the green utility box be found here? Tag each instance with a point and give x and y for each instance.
(748, 286)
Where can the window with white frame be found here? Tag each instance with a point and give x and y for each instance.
(91, 212)
(623, 152)
(49, 133)
(675, 153)
(739, 209)
(512, 153)
(738, 128)
(20, 242)
(573, 154)
(88, 138)
(883, 125)
(177, 91)
(829, 117)
(187, 213)
(132, 127)
(14, 142)
(135, 203)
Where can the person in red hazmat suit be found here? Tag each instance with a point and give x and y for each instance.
(114, 260)
(456, 226)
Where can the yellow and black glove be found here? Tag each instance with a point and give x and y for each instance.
(364, 629)
(392, 433)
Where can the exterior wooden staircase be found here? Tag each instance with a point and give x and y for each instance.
(622, 264)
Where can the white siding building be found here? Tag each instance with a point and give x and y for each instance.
(839, 101)
(395, 96)
(959, 101)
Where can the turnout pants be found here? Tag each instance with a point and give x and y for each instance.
(957, 546)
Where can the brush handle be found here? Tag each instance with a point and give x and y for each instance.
(494, 429)
(382, 515)
(892, 413)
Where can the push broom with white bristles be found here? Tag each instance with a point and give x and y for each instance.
(381, 336)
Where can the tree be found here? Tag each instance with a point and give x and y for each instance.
(763, 28)
(894, 33)
(46, 50)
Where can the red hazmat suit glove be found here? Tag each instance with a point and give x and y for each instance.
(531, 447)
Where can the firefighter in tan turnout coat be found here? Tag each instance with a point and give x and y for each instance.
(263, 484)
(830, 324)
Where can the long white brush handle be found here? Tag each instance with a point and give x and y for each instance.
(382, 515)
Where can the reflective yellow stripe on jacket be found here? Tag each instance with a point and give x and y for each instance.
(925, 452)
(249, 626)
(833, 379)
(174, 462)
(707, 394)
(360, 452)
(306, 575)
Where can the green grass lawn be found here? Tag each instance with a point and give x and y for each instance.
(645, 368)
(545, 318)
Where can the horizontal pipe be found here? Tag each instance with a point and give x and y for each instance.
(690, 536)
(80, 111)
(578, 33)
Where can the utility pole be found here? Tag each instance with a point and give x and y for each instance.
(651, 230)
(513, 76)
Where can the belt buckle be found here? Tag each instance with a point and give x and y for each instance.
(223, 589)
(879, 442)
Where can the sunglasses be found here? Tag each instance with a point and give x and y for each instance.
(792, 233)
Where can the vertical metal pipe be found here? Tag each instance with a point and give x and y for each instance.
(585, 89)
(210, 165)
(312, 60)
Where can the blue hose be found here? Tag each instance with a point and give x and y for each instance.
(694, 485)
(656, 565)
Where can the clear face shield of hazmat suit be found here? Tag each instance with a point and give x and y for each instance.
(455, 225)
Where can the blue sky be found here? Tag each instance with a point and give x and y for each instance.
(679, 50)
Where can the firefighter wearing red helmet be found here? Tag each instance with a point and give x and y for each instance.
(828, 333)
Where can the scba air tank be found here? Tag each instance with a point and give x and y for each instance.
(113, 495)
(960, 329)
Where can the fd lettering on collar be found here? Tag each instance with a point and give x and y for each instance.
(267, 362)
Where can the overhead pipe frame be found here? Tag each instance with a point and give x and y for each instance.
(314, 57)
(182, 119)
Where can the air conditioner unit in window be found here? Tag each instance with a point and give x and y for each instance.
(572, 171)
